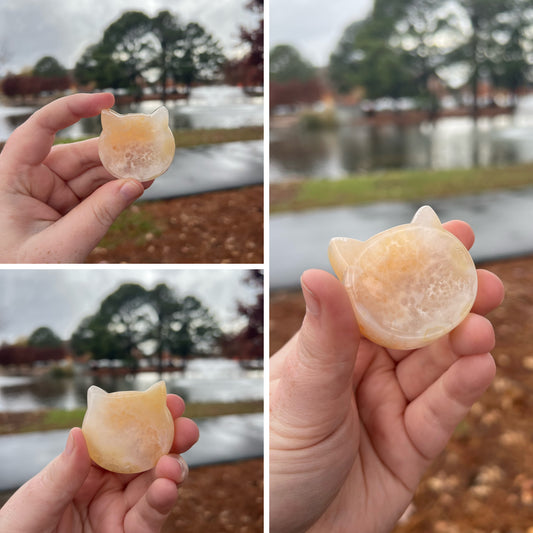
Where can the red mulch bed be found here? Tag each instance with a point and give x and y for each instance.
(217, 227)
(483, 481)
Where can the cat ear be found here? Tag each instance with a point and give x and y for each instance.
(158, 391)
(94, 392)
(161, 115)
(109, 117)
(425, 216)
(342, 253)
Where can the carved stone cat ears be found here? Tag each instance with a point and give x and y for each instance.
(136, 145)
(110, 117)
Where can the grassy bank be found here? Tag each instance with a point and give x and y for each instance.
(135, 225)
(190, 138)
(61, 419)
(408, 185)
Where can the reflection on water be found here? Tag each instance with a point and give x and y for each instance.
(217, 107)
(197, 169)
(11, 118)
(205, 381)
(454, 142)
(208, 107)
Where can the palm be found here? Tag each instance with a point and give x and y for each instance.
(72, 494)
(106, 502)
(354, 425)
(53, 187)
(57, 202)
(387, 462)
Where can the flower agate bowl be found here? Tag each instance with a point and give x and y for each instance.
(408, 285)
(128, 431)
(136, 145)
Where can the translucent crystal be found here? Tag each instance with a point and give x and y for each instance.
(408, 285)
(128, 431)
(136, 145)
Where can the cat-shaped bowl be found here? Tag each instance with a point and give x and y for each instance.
(128, 431)
(136, 145)
(409, 285)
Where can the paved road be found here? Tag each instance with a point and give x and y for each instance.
(222, 439)
(502, 221)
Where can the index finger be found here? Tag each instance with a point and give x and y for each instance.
(175, 405)
(462, 231)
(31, 142)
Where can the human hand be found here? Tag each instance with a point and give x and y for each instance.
(354, 425)
(57, 202)
(72, 494)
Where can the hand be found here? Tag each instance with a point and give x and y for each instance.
(354, 425)
(72, 494)
(57, 202)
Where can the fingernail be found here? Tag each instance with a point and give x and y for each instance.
(69, 447)
(311, 302)
(184, 467)
(131, 190)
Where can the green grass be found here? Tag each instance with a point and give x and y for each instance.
(397, 185)
(203, 410)
(134, 225)
(11, 423)
(59, 419)
(190, 138)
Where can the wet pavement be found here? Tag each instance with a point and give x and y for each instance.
(222, 439)
(210, 168)
(501, 221)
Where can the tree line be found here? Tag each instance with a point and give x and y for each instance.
(133, 322)
(137, 50)
(406, 47)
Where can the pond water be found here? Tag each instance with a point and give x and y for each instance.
(299, 241)
(454, 142)
(216, 380)
(219, 106)
(222, 439)
(194, 170)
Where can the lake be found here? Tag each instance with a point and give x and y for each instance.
(222, 438)
(219, 106)
(204, 380)
(193, 170)
(453, 142)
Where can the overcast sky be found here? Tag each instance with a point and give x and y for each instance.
(31, 29)
(314, 27)
(61, 298)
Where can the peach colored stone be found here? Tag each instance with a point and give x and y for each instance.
(128, 431)
(136, 145)
(409, 285)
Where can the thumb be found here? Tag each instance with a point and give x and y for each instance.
(317, 381)
(39, 504)
(74, 236)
